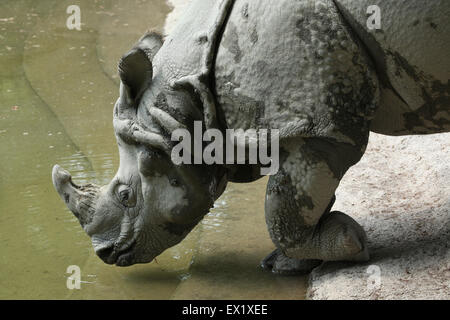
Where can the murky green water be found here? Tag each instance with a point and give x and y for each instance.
(57, 89)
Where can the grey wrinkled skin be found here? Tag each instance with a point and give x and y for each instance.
(309, 68)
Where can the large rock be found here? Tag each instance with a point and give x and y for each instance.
(400, 193)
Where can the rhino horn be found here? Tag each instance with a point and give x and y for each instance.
(79, 199)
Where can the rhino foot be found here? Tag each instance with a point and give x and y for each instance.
(342, 238)
(283, 265)
(337, 237)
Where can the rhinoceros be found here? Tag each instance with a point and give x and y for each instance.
(315, 70)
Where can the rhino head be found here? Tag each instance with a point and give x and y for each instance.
(151, 204)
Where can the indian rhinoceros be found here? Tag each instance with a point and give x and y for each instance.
(311, 69)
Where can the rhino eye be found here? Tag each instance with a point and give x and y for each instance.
(126, 196)
(174, 182)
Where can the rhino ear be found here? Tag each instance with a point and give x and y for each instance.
(151, 42)
(198, 85)
(136, 69)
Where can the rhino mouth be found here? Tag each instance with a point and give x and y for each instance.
(122, 257)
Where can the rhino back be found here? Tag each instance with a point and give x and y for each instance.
(411, 52)
(280, 64)
(183, 49)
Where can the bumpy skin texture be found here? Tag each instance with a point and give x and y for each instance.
(411, 56)
(313, 70)
(309, 68)
(308, 78)
(315, 82)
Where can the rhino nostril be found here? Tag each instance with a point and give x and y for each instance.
(105, 253)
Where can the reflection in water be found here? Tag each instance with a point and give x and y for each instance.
(57, 90)
(83, 175)
(233, 241)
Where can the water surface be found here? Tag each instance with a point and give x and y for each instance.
(57, 90)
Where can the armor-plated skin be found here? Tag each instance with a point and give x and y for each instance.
(411, 55)
(309, 68)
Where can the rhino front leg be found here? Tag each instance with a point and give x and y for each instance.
(298, 203)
